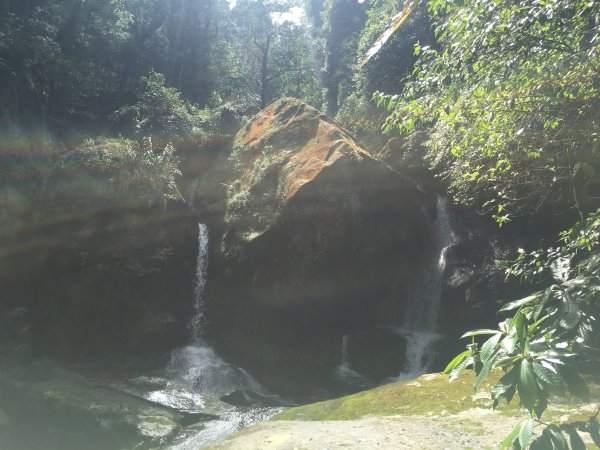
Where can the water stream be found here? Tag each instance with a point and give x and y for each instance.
(197, 366)
(198, 369)
(420, 322)
(344, 371)
(198, 320)
(191, 192)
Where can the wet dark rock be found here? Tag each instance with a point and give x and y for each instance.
(247, 397)
(377, 354)
(41, 401)
(169, 394)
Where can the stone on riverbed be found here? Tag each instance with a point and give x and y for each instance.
(73, 411)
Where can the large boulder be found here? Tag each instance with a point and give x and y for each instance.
(317, 236)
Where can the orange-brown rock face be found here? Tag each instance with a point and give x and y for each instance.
(299, 139)
(287, 147)
(318, 237)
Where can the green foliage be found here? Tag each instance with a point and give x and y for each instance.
(359, 115)
(117, 171)
(511, 99)
(275, 55)
(67, 66)
(162, 111)
(557, 261)
(542, 345)
(386, 71)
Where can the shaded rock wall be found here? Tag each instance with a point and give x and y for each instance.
(97, 261)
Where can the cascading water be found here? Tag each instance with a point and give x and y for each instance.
(198, 366)
(199, 319)
(199, 370)
(197, 376)
(191, 193)
(344, 371)
(420, 322)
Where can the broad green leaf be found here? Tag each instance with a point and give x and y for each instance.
(542, 442)
(503, 361)
(593, 427)
(520, 324)
(571, 312)
(504, 384)
(541, 405)
(551, 380)
(536, 324)
(558, 438)
(585, 331)
(482, 374)
(455, 373)
(576, 385)
(574, 437)
(508, 344)
(489, 347)
(478, 333)
(510, 393)
(526, 432)
(508, 440)
(527, 385)
(548, 365)
(456, 361)
(555, 356)
(518, 303)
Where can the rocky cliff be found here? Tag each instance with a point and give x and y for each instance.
(314, 239)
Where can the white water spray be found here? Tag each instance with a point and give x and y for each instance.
(198, 367)
(420, 324)
(344, 371)
(199, 318)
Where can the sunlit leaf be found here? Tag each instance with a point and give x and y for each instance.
(514, 434)
(527, 385)
(479, 332)
(526, 432)
(456, 361)
(518, 303)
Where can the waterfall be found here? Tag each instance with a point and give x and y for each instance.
(198, 366)
(199, 319)
(344, 359)
(344, 371)
(191, 192)
(424, 302)
(420, 322)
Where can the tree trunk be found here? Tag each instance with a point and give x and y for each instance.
(264, 81)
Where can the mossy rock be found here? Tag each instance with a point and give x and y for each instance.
(427, 395)
(432, 395)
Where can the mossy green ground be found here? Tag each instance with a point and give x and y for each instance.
(429, 395)
(426, 413)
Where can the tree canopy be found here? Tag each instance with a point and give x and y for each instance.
(511, 101)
